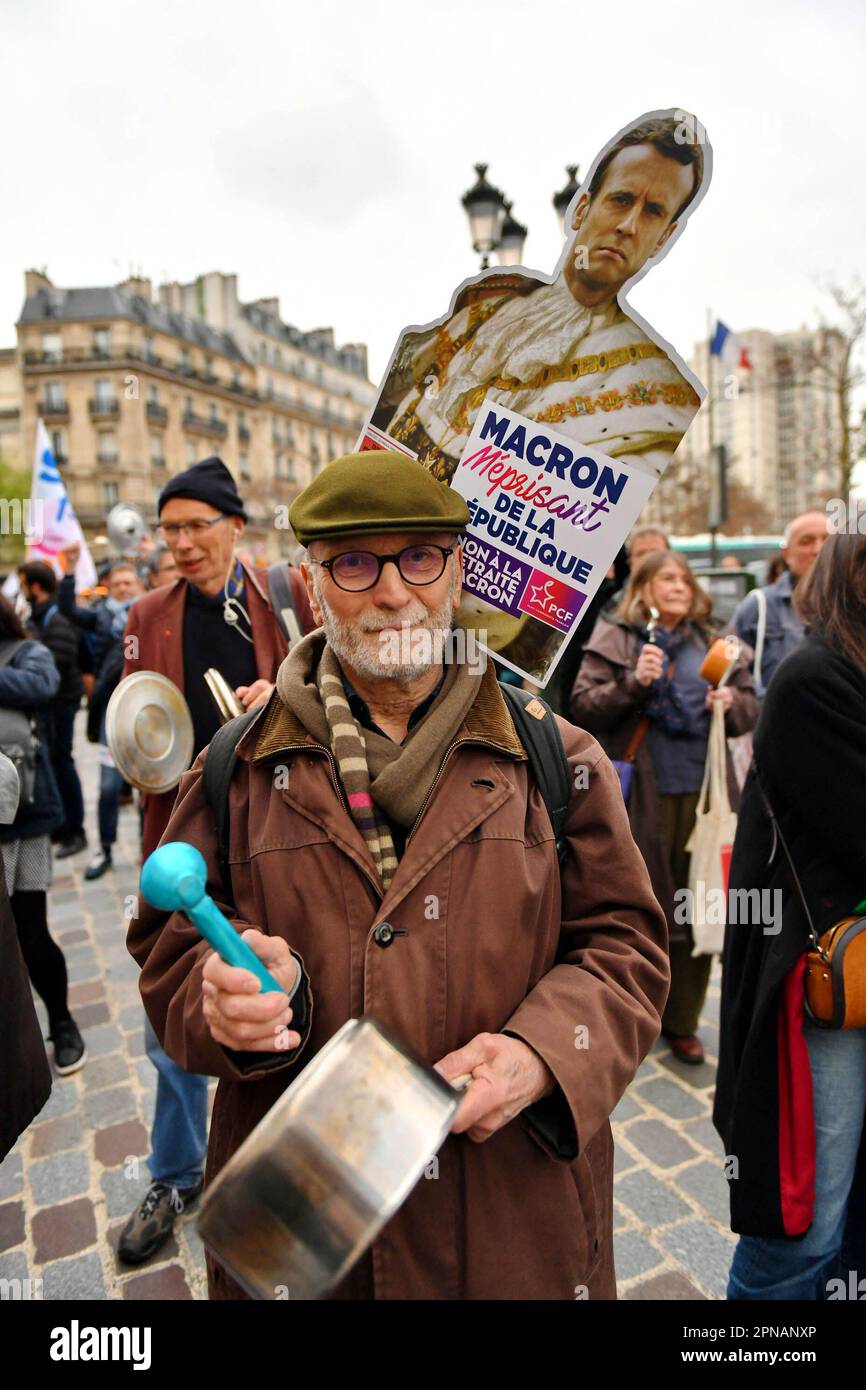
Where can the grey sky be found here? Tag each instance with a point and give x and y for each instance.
(320, 150)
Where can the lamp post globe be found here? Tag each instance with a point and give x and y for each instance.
(485, 208)
(562, 199)
(512, 240)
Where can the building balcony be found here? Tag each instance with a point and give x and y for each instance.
(54, 411)
(106, 460)
(200, 424)
(104, 409)
(157, 461)
(156, 413)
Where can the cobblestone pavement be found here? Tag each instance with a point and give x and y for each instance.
(69, 1184)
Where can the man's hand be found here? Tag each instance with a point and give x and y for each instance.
(237, 1014)
(255, 695)
(70, 555)
(506, 1077)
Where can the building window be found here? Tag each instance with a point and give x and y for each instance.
(290, 468)
(110, 496)
(102, 342)
(157, 457)
(52, 347)
(107, 446)
(58, 446)
(149, 349)
(183, 360)
(188, 405)
(208, 366)
(236, 381)
(213, 414)
(244, 463)
(191, 453)
(152, 393)
(55, 398)
(103, 395)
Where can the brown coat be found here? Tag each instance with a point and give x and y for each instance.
(156, 620)
(491, 942)
(608, 700)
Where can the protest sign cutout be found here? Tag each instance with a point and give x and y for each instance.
(549, 403)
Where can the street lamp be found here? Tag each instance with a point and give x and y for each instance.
(485, 208)
(511, 240)
(562, 199)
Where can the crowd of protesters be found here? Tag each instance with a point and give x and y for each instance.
(796, 684)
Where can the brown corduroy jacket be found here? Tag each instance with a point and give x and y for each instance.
(488, 938)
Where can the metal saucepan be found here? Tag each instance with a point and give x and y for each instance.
(311, 1187)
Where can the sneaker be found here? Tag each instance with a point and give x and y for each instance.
(99, 864)
(74, 844)
(152, 1223)
(70, 1053)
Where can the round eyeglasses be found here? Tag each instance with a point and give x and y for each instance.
(357, 570)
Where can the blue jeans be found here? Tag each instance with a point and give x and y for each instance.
(111, 784)
(179, 1134)
(765, 1268)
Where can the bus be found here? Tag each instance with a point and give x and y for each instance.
(753, 552)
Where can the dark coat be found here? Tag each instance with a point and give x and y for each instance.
(609, 701)
(156, 624)
(30, 681)
(25, 1076)
(62, 640)
(513, 948)
(810, 751)
(95, 622)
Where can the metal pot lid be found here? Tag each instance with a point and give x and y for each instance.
(148, 728)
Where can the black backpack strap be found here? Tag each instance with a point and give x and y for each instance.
(219, 767)
(538, 731)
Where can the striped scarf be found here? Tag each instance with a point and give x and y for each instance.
(349, 747)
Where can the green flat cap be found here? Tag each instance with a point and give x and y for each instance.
(378, 490)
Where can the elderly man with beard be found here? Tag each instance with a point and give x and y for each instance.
(390, 853)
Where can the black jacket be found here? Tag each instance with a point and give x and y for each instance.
(810, 756)
(62, 639)
(30, 681)
(25, 1076)
(96, 622)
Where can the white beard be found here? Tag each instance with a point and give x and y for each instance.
(419, 645)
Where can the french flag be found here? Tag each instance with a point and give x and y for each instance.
(728, 348)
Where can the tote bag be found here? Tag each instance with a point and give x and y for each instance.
(709, 843)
